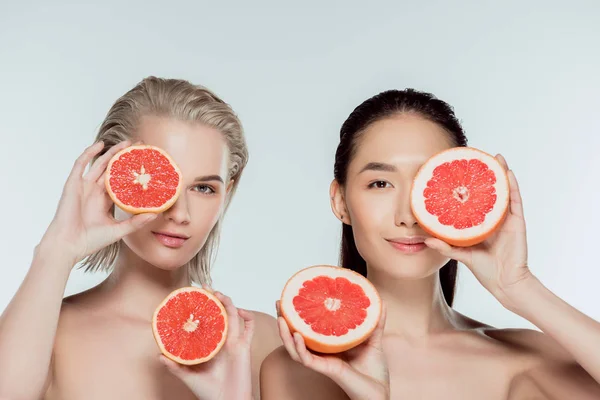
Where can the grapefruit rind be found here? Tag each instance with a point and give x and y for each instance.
(322, 343)
(468, 236)
(158, 339)
(139, 210)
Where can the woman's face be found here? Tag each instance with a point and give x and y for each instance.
(376, 197)
(202, 155)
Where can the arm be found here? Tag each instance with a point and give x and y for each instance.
(500, 265)
(82, 225)
(577, 333)
(29, 322)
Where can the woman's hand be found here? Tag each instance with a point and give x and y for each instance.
(500, 262)
(228, 375)
(83, 223)
(362, 371)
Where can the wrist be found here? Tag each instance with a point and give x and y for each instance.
(517, 296)
(55, 252)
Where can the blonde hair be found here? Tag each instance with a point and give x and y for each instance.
(185, 101)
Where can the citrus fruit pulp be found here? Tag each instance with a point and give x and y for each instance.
(460, 196)
(190, 325)
(143, 178)
(334, 309)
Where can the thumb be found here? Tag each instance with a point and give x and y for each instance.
(178, 370)
(134, 223)
(455, 253)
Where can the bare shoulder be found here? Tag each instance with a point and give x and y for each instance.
(283, 378)
(538, 367)
(79, 310)
(531, 342)
(265, 323)
(532, 345)
(550, 372)
(88, 299)
(266, 336)
(72, 320)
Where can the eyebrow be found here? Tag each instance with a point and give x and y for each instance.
(377, 166)
(208, 178)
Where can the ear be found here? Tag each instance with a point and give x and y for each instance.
(338, 202)
(229, 186)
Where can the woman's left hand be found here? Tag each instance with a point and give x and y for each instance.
(500, 262)
(228, 375)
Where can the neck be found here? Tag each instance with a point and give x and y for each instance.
(137, 287)
(416, 309)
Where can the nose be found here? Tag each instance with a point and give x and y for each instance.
(404, 215)
(179, 212)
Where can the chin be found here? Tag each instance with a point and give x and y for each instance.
(167, 262)
(160, 256)
(166, 265)
(409, 267)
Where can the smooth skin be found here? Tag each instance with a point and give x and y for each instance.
(430, 350)
(99, 344)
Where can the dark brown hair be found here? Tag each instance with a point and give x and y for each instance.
(378, 107)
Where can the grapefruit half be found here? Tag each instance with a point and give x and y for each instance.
(460, 196)
(143, 179)
(190, 326)
(334, 309)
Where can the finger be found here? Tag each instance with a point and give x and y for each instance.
(232, 312)
(132, 224)
(248, 318)
(455, 253)
(180, 371)
(516, 202)
(99, 166)
(278, 308)
(376, 339)
(174, 367)
(101, 180)
(287, 339)
(83, 160)
(310, 360)
(502, 161)
(227, 303)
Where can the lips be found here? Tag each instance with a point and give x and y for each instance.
(412, 244)
(175, 235)
(409, 240)
(170, 239)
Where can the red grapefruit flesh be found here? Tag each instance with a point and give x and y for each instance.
(143, 179)
(190, 326)
(460, 196)
(334, 309)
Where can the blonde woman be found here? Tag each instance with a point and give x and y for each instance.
(98, 344)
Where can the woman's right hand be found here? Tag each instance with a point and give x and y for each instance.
(362, 371)
(83, 223)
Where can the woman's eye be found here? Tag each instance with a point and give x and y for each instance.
(204, 189)
(379, 185)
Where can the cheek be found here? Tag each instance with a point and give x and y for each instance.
(205, 213)
(370, 210)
